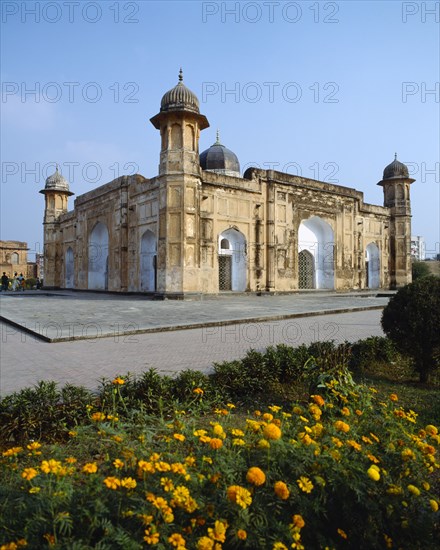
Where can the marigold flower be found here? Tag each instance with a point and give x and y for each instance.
(34, 490)
(267, 417)
(179, 437)
(281, 490)
(373, 473)
(241, 534)
(90, 468)
(431, 430)
(205, 543)
(51, 466)
(318, 400)
(394, 397)
(198, 391)
(315, 411)
(112, 482)
(151, 538)
(218, 533)
(216, 443)
(118, 381)
(263, 444)
(118, 463)
(271, 431)
(434, 505)
(218, 431)
(342, 533)
(345, 411)
(352, 443)
(414, 490)
(239, 495)
(176, 540)
(34, 446)
(98, 417)
(13, 451)
(256, 476)
(238, 442)
(29, 473)
(305, 484)
(341, 426)
(279, 546)
(298, 521)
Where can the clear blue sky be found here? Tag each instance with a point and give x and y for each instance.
(331, 89)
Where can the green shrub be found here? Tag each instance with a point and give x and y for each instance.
(419, 270)
(412, 320)
(375, 349)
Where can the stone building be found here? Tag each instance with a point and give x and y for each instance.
(14, 259)
(199, 227)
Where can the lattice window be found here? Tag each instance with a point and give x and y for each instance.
(225, 272)
(306, 270)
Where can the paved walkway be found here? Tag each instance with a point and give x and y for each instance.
(26, 359)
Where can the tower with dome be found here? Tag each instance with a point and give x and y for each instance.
(200, 226)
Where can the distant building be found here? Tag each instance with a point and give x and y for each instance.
(199, 227)
(418, 248)
(14, 259)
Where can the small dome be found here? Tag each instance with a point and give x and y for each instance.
(56, 182)
(180, 98)
(220, 159)
(395, 170)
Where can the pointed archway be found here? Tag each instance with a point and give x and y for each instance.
(316, 237)
(372, 266)
(69, 266)
(232, 263)
(148, 262)
(98, 258)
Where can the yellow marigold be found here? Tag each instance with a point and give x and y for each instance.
(98, 417)
(267, 417)
(216, 443)
(198, 391)
(305, 484)
(112, 482)
(373, 473)
(241, 534)
(394, 397)
(179, 437)
(373, 459)
(218, 431)
(279, 546)
(341, 426)
(318, 400)
(263, 444)
(431, 430)
(128, 483)
(352, 443)
(90, 468)
(34, 446)
(434, 505)
(118, 463)
(176, 540)
(413, 490)
(342, 533)
(345, 411)
(256, 476)
(238, 441)
(218, 533)
(408, 454)
(34, 490)
(70, 460)
(13, 451)
(118, 381)
(298, 521)
(29, 473)
(150, 537)
(239, 495)
(281, 490)
(51, 466)
(205, 543)
(315, 411)
(271, 431)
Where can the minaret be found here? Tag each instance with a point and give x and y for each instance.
(178, 259)
(56, 192)
(396, 188)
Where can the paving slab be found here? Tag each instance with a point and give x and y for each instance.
(64, 316)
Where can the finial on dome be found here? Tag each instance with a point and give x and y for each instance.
(217, 142)
(395, 156)
(180, 75)
(56, 166)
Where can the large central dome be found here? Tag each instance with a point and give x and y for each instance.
(180, 98)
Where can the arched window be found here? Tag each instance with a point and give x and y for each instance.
(69, 269)
(316, 236)
(98, 258)
(232, 261)
(148, 261)
(15, 258)
(372, 266)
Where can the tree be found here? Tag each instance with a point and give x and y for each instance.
(420, 269)
(411, 320)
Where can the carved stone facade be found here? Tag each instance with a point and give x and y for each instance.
(14, 259)
(198, 227)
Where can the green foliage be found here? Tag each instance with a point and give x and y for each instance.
(375, 349)
(411, 320)
(356, 472)
(419, 270)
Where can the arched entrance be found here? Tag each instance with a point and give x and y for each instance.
(148, 262)
(98, 258)
(316, 237)
(69, 269)
(372, 266)
(232, 260)
(306, 270)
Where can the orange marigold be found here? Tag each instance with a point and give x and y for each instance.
(271, 431)
(256, 476)
(281, 490)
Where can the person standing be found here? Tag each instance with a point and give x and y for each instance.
(5, 281)
(21, 282)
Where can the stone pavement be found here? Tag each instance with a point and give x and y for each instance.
(26, 359)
